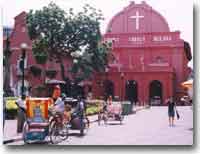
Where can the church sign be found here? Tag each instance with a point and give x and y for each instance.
(141, 38)
(162, 38)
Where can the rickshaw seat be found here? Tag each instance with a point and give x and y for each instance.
(37, 109)
(36, 130)
(38, 124)
(115, 108)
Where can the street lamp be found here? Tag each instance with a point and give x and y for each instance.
(122, 77)
(23, 47)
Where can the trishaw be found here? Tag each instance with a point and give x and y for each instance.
(77, 122)
(36, 126)
(111, 112)
(40, 124)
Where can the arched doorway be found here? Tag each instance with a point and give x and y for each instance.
(155, 92)
(108, 89)
(132, 91)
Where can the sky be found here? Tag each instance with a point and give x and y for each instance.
(178, 13)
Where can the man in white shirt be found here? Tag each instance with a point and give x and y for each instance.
(21, 113)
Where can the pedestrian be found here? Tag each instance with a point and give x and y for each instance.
(67, 114)
(4, 111)
(80, 110)
(21, 114)
(171, 111)
(109, 100)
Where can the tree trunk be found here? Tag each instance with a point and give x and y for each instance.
(65, 78)
(43, 73)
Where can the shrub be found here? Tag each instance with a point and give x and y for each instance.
(11, 114)
(36, 71)
(92, 109)
(11, 107)
(51, 73)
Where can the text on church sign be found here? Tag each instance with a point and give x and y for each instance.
(162, 38)
(141, 38)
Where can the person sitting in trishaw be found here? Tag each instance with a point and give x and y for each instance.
(59, 107)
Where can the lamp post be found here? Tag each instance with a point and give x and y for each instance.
(23, 48)
(122, 77)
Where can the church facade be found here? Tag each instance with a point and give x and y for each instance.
(150, 60)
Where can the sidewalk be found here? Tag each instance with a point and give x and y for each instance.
(10, 132)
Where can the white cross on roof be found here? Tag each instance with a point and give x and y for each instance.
(137, 17)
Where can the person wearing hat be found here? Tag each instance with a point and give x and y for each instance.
(59, 105)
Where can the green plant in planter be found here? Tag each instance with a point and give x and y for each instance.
(11, 114)
(36, 71)
(51, 73)
(41, 58)
(92, 109)
(39, 52)
(40, 91)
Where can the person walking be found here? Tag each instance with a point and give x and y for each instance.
(4, 111)
(81, 109)
(21, 114)
(171, 111)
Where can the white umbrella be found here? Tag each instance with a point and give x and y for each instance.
(54, 81)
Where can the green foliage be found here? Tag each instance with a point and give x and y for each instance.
(40, 51)
(92, 109)
(36, 71)
(51, 73)
(11, 107)
(11, 103)
(57, 34)
(11, 114)
(39, 91)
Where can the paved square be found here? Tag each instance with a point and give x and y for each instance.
(146, 127)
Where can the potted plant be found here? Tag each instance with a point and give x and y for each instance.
(51, 73)
(36, 71)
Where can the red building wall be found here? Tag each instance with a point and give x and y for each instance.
(18, 36)
(145, 51)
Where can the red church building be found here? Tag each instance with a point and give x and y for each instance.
(150, 60)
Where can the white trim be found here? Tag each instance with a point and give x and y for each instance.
(159, 64)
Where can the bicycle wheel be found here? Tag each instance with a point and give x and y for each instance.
(87, 124)
(99, 119)
(105, 119)
(65, 132)
(55, 133)
(24, 132)
(121, 119)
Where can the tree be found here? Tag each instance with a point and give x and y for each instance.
(61, 34)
